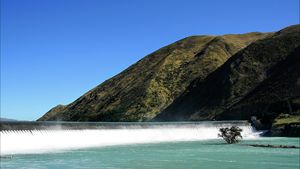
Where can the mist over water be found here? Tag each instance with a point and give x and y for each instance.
(43, 141)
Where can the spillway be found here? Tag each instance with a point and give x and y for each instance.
(41, 137)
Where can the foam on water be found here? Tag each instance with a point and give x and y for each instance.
(40, 141)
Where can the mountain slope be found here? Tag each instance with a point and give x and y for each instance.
(144, 89)
(280, 93)
(226, 89)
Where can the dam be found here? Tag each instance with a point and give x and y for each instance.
(43, 137)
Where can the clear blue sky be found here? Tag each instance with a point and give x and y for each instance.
(53, 51)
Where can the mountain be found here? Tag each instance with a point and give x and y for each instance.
(6, 119)
(146, 88)
(278, 93)
(261, 80)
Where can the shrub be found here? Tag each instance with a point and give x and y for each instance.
(231, 135)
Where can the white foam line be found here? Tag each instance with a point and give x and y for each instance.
(40, 141)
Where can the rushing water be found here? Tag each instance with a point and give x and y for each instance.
(140, 146)
(39, 141)
(206, 154)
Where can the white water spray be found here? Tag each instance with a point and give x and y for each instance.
(40, 141)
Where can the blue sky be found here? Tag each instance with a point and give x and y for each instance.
(53, 51)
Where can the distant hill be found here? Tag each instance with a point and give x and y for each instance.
(146, 88)
(6, 119)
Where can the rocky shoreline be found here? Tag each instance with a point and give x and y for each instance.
(273, 146)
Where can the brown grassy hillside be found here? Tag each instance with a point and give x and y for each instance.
(146, 88)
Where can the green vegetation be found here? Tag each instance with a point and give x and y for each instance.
(287, 125)
(229, 77)
(260, 80)
(146, 88)
(285, 119)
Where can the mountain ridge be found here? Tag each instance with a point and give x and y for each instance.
(230, 83)
(228, 77)
(144, 89)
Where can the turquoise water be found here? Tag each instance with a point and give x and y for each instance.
(212, 154)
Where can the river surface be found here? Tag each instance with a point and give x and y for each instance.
(199, 154)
